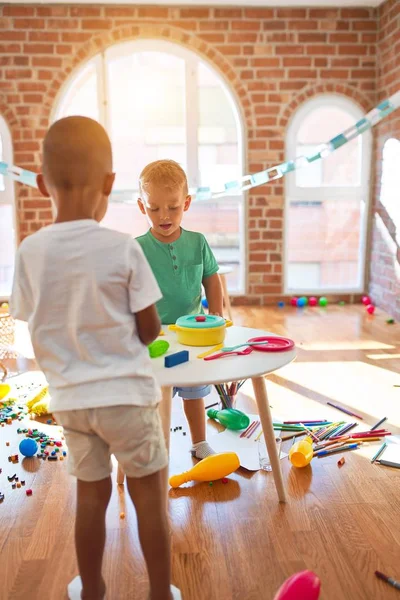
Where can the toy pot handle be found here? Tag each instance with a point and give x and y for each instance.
(228, 323)
(173, 328)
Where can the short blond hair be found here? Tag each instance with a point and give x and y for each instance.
(166, 173)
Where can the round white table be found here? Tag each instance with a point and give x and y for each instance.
(227, 301)
(200, 372)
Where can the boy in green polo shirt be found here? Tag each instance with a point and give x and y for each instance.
(182, 262)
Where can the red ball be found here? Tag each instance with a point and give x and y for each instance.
(366, 300)
(370, 309)
(293, 301)
(301, 586)
(313, 301)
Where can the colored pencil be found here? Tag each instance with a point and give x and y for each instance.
(389, 580)
(374, 434)
(323, 421)
(247, 430)
(335, 450)
(250, 429)
(379, 453)
(310, 433)
(253, 430)
(332, 447)
(258, 436)
(378, 423)
(389, 463)
(348, 412)
(294, 435)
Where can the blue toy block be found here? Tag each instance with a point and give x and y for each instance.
(172, 360)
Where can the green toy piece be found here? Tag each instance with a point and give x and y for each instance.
(230, 417)
(158, 348)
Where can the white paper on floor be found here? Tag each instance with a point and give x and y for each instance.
(245, 448)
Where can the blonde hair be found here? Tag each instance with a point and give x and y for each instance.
(166, 173)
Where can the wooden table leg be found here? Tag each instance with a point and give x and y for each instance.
(227, 300)
(165, 413)
(260, 391)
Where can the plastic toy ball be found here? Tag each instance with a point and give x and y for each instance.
(204, 303)
(302, 302)
(158, 348)
(323, 301)
(370, 309)
(28, 447)
(366, 300)
(281, 304)
(301, 586)
(313, 301)
(293, 301)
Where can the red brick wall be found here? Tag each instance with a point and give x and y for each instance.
(385, 257)
(274, 59)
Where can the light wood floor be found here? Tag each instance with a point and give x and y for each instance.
(235, 541)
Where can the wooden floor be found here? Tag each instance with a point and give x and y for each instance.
(235, 541)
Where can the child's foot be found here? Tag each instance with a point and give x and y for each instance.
(75, 589)
(201, 450)
(176, 594)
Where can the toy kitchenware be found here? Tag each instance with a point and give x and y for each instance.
(200, 330)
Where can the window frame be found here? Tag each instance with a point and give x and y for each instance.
(7, 197)
(192, 122)
(294, 193)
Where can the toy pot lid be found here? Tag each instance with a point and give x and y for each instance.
(200, 321)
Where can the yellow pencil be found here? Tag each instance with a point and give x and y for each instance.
(259, 435)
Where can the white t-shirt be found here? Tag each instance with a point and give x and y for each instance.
(78, 286)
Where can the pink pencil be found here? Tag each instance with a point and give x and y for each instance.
(248, 429)
(254, 430)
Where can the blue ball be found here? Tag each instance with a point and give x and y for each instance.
(301, 301)
(28, 447)
(281, 304)
(204, 303)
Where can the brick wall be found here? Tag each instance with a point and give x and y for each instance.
(273, 59)
(385, 256)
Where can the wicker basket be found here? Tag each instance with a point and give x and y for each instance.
(7, 329)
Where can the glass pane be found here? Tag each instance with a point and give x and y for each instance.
(323, 244)
(7, 249)
(340, 169)
(147, 112)
(2, 186)
(218, 132)
(81, 98)
(390, 183)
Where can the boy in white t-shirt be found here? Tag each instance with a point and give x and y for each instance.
(89, 296)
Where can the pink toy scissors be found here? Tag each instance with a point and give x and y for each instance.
(272, 344)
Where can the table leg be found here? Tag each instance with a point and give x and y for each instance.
(227, 300)
(260, 391)
(165, 414)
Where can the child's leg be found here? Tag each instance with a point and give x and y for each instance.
(193, 405)
(149, 497)
(90, 535)
(196, 418)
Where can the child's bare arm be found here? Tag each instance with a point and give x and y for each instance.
(213, 289)
(148, 324)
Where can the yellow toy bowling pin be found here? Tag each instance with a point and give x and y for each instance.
(211, 468)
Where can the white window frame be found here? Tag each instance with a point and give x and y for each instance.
(7, 197)
(190, 58)
(362, 192)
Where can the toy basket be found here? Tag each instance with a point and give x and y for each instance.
(7, 334)
(7, 329)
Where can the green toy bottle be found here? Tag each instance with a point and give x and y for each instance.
(230, 418)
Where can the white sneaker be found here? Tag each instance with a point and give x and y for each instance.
(176, 594)
(75, 589)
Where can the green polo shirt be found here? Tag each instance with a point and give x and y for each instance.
(180, 269)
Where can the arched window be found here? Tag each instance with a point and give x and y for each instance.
(7, 215)
(159, 100)
(390, 184)
(326, 202)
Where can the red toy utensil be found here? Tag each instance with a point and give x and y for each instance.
(301, 586)
(272, 344)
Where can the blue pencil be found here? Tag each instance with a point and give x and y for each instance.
(335, 450)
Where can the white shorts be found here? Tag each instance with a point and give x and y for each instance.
(132, 433)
